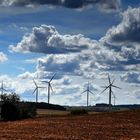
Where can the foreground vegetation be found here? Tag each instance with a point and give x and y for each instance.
(12, 109)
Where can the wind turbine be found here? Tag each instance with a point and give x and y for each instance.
(2, 88)
(36, 90)
(110, 90)
(87, 91)
(49, 86)
(114, 97)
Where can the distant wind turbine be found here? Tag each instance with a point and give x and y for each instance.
(114, 97)
(36, 90)
(110, 90)
(87, 91)
(49, 86)
(2, 88)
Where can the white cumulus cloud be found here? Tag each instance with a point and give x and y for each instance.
(127, 32)
(46, 39)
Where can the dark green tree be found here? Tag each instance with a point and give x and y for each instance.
(12, 98)
(10, 109)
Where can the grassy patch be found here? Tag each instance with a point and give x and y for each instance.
(48, 112)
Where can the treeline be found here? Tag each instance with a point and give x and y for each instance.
(43, 105)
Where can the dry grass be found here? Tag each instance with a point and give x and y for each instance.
(104, 126)
(48, 112)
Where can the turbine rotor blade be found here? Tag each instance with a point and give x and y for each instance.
(91, 92)
(34, 91)
(52, 77)
(105, 89)
(116, 86)
(34, 82)
(84, 91)
(109, 79)
(103, 86)
(51, 87)
(113, 82)
(45, 81)
(114, 96)
(113, 93)
(41, 87)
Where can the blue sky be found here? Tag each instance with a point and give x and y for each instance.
(80, 41)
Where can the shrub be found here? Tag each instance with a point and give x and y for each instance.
(10, 111)
(27, 110)
(79, 112)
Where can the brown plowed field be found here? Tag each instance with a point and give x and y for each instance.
(105, 126)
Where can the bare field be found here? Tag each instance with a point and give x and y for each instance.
(104, 126)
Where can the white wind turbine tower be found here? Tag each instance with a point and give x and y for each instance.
(87, 91)
(110, 90)
(49, 86)
(36, 90)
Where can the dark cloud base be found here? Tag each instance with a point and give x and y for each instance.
(74, 4)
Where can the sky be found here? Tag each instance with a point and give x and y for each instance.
(80, 40)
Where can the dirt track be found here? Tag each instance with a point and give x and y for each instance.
(112, 126)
